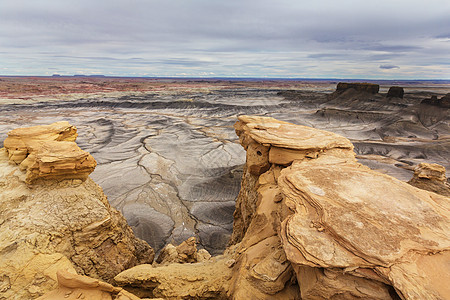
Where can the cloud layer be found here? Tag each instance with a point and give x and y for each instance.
(245, 38)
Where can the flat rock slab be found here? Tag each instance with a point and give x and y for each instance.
(269, 131)
(348, 216)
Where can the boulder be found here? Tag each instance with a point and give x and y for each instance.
(206, 280)
(74, 286)
(49, 152)
(186, 252)
(57, 222)
(431, 177)
(395, 92)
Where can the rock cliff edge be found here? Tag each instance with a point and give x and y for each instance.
(53, 216)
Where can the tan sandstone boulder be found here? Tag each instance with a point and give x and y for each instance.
(186, 252)
(73, 286)
(431, 177)
(205, 280)
(49, 151)
(57, 222)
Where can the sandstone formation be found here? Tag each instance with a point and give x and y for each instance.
(73, 286)
(312, 223)
(49, 151)
(206, 280)
(395, 92)
(342, 230)
(60, 221)
(431, 177)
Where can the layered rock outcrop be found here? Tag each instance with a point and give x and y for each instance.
(73, 286)
(58, 219)
(431, 177)
(312, 223)
(342, 230)
(49, 151)
(443, 102)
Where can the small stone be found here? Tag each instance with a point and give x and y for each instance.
(230, 263)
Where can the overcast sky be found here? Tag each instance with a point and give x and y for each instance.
(390, 39)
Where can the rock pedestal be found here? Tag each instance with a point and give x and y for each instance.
(49, 152)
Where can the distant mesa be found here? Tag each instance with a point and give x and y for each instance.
(82, 75)
(395, 92)
(79, 75)
(352, 90)
(444, 102)
(357, 86)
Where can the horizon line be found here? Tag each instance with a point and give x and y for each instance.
(220, 77)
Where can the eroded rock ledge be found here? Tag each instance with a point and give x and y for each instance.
(49, 151)
(341, 229)
(54, 217)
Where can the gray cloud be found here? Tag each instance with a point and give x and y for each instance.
(227, 38)
(389, 67)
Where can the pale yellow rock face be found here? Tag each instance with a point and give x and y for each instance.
(269, 131)
(350, 217)
(62, 222)
(49, 152)
(206, 280)
(73, 286)
(342, 230)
